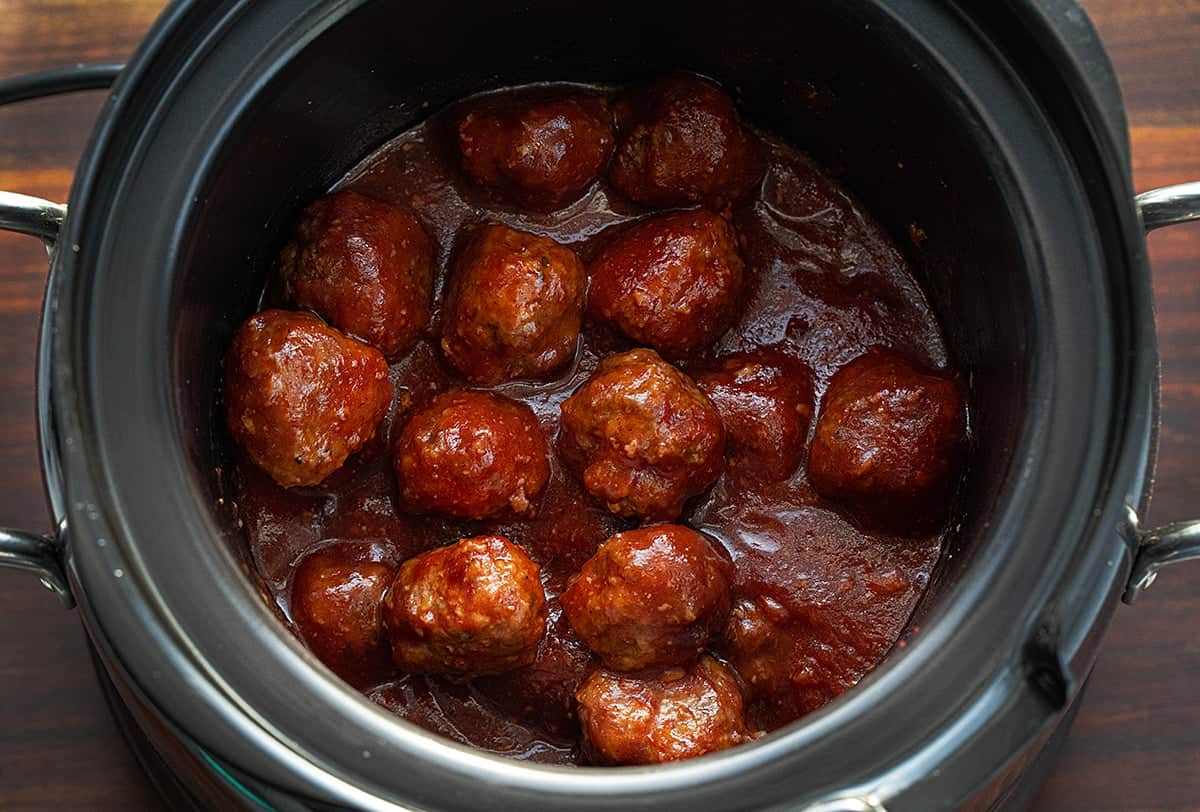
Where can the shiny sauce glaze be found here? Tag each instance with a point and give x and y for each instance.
(819, 600)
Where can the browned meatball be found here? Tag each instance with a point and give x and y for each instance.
(888, 439)
(363, 265)
(471, 455)
(642, 436)
(513, 308)
(300, 397)
(766, 402)
(661, 716)
(475, 607)
(337, 604)
(671, 282)
(650, 597)
(541, 154)
(680, 141)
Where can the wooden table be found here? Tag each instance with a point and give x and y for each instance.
(1136, 744)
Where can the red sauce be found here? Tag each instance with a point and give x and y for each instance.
(828, 600)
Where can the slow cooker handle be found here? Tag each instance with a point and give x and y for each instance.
(32, 552)
(18, 549)
(1172, 543)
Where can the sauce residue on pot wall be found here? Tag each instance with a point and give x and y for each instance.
(826, 283)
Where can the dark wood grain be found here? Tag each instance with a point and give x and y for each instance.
(1136, 744)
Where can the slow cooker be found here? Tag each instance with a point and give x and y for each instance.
(996, 126)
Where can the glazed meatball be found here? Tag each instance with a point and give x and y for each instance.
(671, 282)
(765, 399)
(300, 397)
(471, 455)
(513, 308)
(541, 154)
(650, 597)
(680, 141)
(679, 713)
(364, 266)
(888, 439)
(642, 436)
(337, 604)
(475, 607)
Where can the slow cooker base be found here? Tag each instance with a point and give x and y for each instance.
(1021, 793)
(166, 783)
(183, 784)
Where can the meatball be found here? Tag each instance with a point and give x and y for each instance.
(364, 266)
(337, 604)
(513, 308)
(888, 440)
(300, 397)
(475, 607)
(671, 282)
(680, 141)
(541, 154)
(650, 597)
(642, 436)
(471, 455)
(679, 713)
(765, 399)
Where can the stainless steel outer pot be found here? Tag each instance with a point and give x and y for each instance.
(997, 128)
